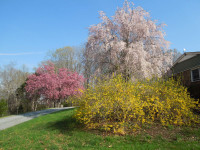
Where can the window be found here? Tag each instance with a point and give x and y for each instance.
(195, 75)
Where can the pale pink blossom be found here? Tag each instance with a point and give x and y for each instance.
(129, 42)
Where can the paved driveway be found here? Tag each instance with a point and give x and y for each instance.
(13, 120)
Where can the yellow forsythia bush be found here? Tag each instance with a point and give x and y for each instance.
(119, 106)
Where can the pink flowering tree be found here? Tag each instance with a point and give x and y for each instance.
(52, 85)
(130, 43)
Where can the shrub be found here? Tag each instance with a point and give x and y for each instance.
(3, 107)
(119, 106)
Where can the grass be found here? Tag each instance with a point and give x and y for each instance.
(60, 131)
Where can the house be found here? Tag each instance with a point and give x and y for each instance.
(187, 67)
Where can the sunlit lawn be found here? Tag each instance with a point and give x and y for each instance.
(60, 131)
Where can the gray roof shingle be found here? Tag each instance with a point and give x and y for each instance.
(187, 64)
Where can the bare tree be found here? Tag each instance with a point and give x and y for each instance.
(66, 57)
(10, 80)
(175, 54)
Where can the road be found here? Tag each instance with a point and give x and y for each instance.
(13, 120)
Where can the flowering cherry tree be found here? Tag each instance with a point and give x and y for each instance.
(54, 85)
(130, 43)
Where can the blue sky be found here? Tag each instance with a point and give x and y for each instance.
(30, 28)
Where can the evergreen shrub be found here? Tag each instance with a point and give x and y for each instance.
(3, 107)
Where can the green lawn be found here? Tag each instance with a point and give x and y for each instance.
(60, 131)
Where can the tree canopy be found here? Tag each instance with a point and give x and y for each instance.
(54, 85)
(66, 57)
(130, 43)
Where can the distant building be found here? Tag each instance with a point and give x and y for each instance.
(187, 67)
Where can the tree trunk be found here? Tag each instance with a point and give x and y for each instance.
(32, 105)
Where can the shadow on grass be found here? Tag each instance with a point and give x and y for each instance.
(66, 125)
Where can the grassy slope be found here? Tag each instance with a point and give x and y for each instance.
(59, 131)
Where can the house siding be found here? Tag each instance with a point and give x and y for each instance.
(185, 77)
(193, 87)
(183, 69)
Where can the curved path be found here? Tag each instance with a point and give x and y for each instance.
(13, 120)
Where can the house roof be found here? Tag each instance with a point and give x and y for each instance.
(185, 56)
(186, 61)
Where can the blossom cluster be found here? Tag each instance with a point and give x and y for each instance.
(54, 85)
(116, 105)
(130, 43)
